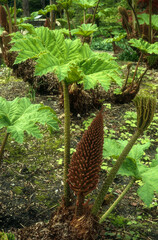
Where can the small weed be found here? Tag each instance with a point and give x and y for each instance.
(7, 236)
(18, 190)
(61, 149)
(87, 122)
(31, 94)
(118, 220)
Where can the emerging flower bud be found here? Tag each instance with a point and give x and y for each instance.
(146, 106)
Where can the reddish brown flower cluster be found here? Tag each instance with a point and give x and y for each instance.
(86, 161)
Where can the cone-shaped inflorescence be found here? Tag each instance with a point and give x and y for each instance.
(85, 164)
(145, 110)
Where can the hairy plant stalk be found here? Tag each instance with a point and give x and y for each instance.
(128, 72)
(106, 214)
(95, 11)
(66, 142)
(51, 16)
(150, 21)
(142, 75)
(108, 181)
(9, 18)
(68, 21)
(2, 147)
(133, 16)
(84, 16)
(136, 69)
(136, 18)
(14, 15)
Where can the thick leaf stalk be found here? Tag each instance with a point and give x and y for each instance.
(9, 18)
(66, 143)
(112, 207)
(95, 11)
(150, 21)
(145, 111)
(136, 18)
(85, 164)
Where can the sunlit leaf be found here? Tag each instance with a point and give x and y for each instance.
(20, 116)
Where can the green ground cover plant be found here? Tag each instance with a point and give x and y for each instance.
(7, 236)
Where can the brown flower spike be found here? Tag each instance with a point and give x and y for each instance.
(85, 164)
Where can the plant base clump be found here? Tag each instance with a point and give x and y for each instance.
(8, 57)
(64, 226)
(46, 84)
(127, 95)
(82, 101)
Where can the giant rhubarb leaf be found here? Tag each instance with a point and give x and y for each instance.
(85, 30)
(20, 116)
(53, 53)
(97, 70)
(86, 3)
(132, 166)
(140, 44)
(150, 185)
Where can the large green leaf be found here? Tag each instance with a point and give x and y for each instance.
(132, 166)
(140, 44)
(144, 46)
(116, 38)
(61, 65)
(20, 116)
(67, 58)
(113, 148)
(97, 70)
(150, 180)
(144, 18)
(153, 48)
(27, 26)
(42, 41)
(66, 4)
(85, 30)
(29, 48)
(86, 52)
(86, 3)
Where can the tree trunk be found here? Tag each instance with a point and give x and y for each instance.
(25, 6)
